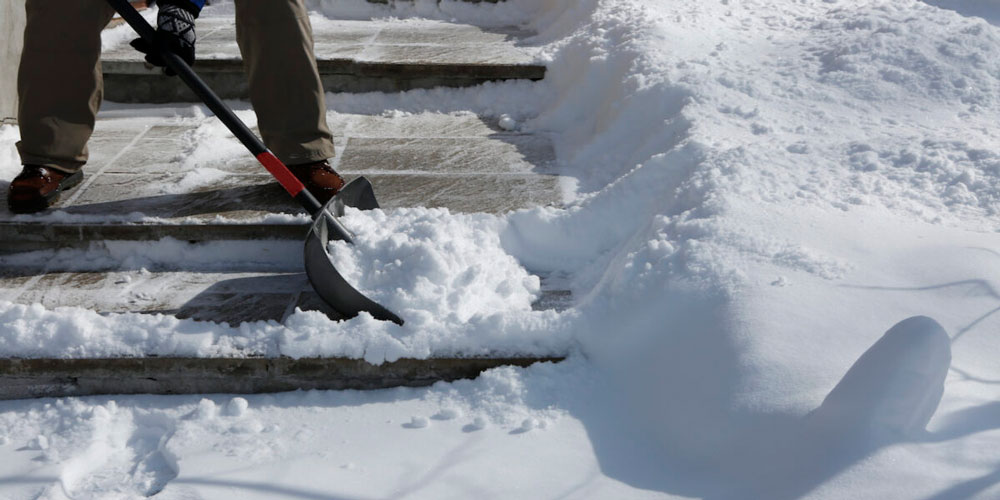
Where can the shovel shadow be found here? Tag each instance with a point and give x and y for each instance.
(237, 199)
(886, 398)
(250, 299)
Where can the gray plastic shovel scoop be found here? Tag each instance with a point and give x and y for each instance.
(323, 275)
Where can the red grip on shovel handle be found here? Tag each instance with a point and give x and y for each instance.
(281, 173)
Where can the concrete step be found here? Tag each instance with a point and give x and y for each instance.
(353, 56)
(138, 185)
(34, 378)
(234, 295)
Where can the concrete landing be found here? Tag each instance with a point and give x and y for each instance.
(34, 378)
(140, 184)
(353, 56)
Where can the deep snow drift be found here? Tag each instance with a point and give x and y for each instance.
(765, 189)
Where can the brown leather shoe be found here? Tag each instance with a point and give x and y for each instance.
(36, 188)
(319, 178)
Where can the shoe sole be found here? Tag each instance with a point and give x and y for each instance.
(46, 201)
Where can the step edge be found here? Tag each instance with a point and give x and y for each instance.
(22, 378)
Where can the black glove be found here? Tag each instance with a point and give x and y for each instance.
(175, 30)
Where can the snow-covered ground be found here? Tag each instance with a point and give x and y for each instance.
(764, 189)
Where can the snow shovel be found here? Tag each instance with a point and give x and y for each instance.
(323, 274)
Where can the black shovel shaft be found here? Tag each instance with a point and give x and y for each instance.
(273, 165)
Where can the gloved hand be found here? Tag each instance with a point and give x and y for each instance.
(175, 29)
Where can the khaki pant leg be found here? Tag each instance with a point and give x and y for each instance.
(276, 41)
(59, 81)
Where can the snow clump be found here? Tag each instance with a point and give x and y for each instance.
(427, 264)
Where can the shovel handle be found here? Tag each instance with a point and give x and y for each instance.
(273, 165)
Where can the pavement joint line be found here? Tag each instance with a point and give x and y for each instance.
(86, 184)
(290, 308)
(338, 152)
(214, 31)
(26, 286)
(374, 36)
(364, 50)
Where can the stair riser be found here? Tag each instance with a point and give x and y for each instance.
(133, 82)
(32, 378)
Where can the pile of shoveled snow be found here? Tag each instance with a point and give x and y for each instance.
(428, 265)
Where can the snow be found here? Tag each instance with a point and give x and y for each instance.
(782, 248)
(507, 123)
(433, 267)
(418, 422)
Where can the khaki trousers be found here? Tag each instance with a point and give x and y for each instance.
(60, 83)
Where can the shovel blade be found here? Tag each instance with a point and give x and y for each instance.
(358, 194)
(329, 284)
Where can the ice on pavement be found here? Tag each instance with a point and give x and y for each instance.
(766, 191)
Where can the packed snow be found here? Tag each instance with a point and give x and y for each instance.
(782, 247)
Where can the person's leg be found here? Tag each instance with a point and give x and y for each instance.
(59, 82)
(276, 41)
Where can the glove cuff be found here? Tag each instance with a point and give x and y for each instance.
(184, 4)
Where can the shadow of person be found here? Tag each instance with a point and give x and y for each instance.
(887, 396)
(961, 423)
(965, 422)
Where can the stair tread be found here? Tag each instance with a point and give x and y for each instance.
(352, 56)
(138, 185)
(231, 296)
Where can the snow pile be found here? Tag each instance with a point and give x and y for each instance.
(10, 162)
(429, 265)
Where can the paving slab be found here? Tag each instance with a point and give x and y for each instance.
(467, 193)
(352, 56)
(499, 154)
